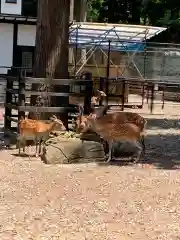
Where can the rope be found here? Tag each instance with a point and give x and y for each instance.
(58, 149)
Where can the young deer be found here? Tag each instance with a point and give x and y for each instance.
(116, 118)
(36, 130)
(112, 132)
(98, 95)
(81, 118)
(125, 117)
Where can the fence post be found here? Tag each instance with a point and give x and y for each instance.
(124, 94)
(62, 101)
(107, 89)
(88, 82)
(163, 95)
(152, 97)
(8, 100)
(101, 88)
(21, 94)
(143, 93)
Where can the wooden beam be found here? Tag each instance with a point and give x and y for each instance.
(56, 81)
(35, 93)
(41, 109)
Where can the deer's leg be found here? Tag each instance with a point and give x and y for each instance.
(17, 142)
(36, 143)
(37, 152)
(105, 146)
(40, 146)
(44, 138)
(143, 143)
(19, 146)
(21, 143)
(110, 151)
(19, 149)
(138, 153)
(24, 144)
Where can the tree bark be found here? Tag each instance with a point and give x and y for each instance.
(51, 54)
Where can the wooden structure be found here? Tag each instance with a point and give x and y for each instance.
(18, 93)
(80, 91)
(118, 89)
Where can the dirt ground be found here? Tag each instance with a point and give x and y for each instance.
(97, 201)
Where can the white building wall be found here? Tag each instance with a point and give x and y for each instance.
(6, 46)
(6, 54)
(11, 8)
(26, 35)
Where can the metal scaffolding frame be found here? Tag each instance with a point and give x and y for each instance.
(110, 37)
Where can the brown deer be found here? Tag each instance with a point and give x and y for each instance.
(81, 118)
(112, 132)
(117, 118)
(37, 131)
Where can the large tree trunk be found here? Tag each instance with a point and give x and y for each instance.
(52, 36)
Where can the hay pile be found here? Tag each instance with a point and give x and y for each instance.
(68, 148)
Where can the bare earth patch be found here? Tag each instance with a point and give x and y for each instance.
(95, 201)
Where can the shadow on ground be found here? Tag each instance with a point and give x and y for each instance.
(23, 155)
(162, 148)
(163, 152)
(154, 123)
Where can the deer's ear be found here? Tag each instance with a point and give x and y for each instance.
(100, 93)
(53, 117)
(104, 94)
(93, 116)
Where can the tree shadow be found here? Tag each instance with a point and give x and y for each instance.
(162, 152)
(23, 155)
(163, 148)
(155, 123)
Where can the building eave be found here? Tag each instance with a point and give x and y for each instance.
(9, 18)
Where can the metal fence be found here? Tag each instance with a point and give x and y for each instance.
(159, 62)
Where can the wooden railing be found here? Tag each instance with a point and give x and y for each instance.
(18, 94)
(78, 90)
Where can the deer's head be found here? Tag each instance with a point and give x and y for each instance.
(81, 119)
(58, 123)
(97, 97)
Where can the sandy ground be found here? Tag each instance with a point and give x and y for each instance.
(97, 201)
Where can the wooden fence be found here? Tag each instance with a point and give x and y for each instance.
(77, 90)
(19, 91)
(118, 90)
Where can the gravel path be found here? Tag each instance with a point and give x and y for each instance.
(98, 202)
(87, 201)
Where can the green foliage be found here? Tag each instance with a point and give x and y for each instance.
(149, 12)
(94, 7)
(156, 12)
